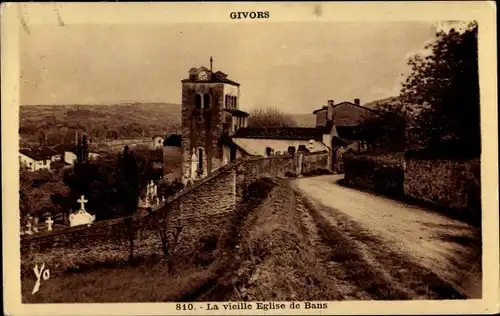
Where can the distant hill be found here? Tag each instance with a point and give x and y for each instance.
(305, 120)
(376, 103)
(59, 123)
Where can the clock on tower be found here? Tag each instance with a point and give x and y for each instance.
(202, 75)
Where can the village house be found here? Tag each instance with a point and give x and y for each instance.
(36, 159)
(341, 123)
(67, 153)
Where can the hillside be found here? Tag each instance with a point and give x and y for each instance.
(59, 123)
(376, 103)
(305, 120)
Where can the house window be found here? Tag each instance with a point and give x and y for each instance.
(225, 103)
(291, 150)
(268, 151)
(206, 101)
(235, 102)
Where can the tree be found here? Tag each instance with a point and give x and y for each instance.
(384, 128)
(130, 187)
(270, 117)
(444, 88)
(42, 193)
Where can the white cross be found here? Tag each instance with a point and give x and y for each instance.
(49, 223)
(82, 202)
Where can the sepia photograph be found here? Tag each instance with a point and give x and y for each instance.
(247, 163)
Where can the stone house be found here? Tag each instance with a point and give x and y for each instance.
(341, 123)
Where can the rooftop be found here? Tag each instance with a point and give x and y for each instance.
(217, 76)
(325, 107)
(236, 112)
(39, 153)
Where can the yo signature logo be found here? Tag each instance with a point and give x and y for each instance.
(45, 274)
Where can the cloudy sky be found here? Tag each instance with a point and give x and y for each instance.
(293, 66)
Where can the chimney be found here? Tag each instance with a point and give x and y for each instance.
(330, 111)
(356, 101)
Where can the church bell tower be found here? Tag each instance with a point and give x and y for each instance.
(205, 96)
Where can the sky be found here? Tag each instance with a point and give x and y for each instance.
(295, 67)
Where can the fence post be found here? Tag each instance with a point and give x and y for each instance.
(300, 158)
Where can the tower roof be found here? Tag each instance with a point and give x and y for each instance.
(213, 76)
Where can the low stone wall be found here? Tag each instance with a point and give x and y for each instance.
(450, 183)
(203, 211)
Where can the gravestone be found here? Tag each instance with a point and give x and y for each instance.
(81, 217)
(49, 223)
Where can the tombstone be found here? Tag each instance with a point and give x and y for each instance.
(49, 223)
(81, 217)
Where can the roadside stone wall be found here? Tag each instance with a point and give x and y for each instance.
(445, 182)
(201, 212)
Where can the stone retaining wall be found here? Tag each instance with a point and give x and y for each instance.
(200, 212)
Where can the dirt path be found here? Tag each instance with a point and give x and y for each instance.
(422, 253)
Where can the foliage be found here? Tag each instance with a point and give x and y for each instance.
(112, 184)
(385, 128)
(270, 117)
(42, 193)
(130, 186)
(444, 89)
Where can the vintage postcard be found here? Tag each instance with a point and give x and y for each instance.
(250, 158)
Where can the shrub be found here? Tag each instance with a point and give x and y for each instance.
(381, 174)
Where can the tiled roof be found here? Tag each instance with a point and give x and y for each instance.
(236, 112)
(303, 133)
(324, 108)
(173, 140)
(39, 153)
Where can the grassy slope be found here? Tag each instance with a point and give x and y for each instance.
(283, 249)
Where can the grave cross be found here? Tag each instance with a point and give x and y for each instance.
(49, 223)
(82, 202)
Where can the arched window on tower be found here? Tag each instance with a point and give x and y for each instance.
(197, 101)
(226, 101)
(206, 101)
(200, 161)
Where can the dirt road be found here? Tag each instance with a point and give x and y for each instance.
(422, 254)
